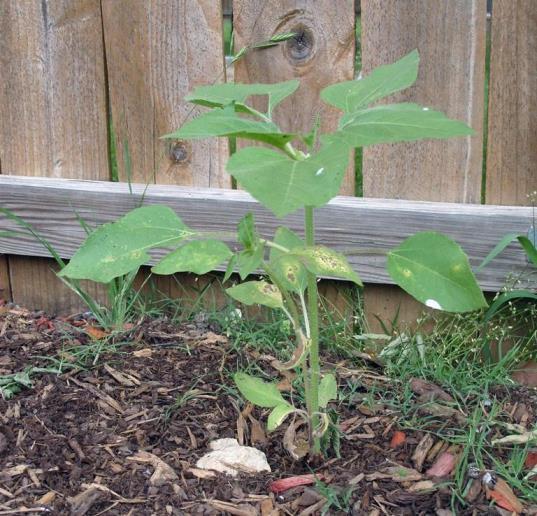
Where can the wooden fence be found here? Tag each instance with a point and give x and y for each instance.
(79, 77)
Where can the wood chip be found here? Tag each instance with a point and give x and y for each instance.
(421, 451)
(121, 378)
(163, 473)
(99, 394)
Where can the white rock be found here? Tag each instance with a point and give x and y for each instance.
(228, 456)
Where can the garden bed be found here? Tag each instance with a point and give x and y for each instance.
(89, 440)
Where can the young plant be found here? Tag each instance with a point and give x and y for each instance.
(284, 179)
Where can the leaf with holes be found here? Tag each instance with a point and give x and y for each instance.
(198, 256)
(350, 96)
(120, 247)
(435, 270)
(326, 262)
(257, 293)
(258, 392)
(284, 185)
(288, 269)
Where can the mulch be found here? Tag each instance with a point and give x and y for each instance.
(90, 440)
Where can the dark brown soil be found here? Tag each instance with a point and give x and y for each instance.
(71, 443)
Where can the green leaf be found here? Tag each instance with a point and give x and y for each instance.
(257, 292)
(120, 247)
(323, 261)
(199, 257)
(395, 123)
(286, 238)
(230, 268)
(218, 95)
(327, 390)
(247, 234)
(498, 248)
(250, 260)
(258, 392)
(381, 82)
(284, 185)
(435, 270)
(278, 415)
(529, 247)
(226, 122)
(290, 272)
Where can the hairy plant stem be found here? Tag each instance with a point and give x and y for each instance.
(313, 308)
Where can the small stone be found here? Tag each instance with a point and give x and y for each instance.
(228, 456)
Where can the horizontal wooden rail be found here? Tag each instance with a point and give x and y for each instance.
(51, 206)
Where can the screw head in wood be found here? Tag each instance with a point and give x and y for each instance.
(179, 152)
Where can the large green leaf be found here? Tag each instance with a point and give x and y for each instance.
(381, 82)
(257, 292)
(435, 270)
(278, 415)
(324, 261)
(198, 256)
(284, 185)
(120, 247)
(226, 122)
(258, 392)
(218, 95)
(395, 123)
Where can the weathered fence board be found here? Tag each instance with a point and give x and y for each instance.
(512, 118)
(52, 113)
(321, 53)
(5, 288)
(156, 53)
(346, 223)
(450, 37)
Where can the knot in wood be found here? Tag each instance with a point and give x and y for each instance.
(179, 152)
(300, 46)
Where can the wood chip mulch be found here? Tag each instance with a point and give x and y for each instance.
(122, 436)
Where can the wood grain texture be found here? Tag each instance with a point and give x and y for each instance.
(450, 37)
(346, 222)
(512, 117)
(52, 111)
(156, 52)
(321, 54)
(5, 285)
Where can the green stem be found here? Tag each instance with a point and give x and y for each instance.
(313, 308)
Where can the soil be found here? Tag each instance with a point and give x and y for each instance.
(74, 443)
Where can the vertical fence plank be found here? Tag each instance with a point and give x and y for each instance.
(512, 122)
(158, 51)
(321, 54)
(52, 113)
(5, 286)
(450, 36)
